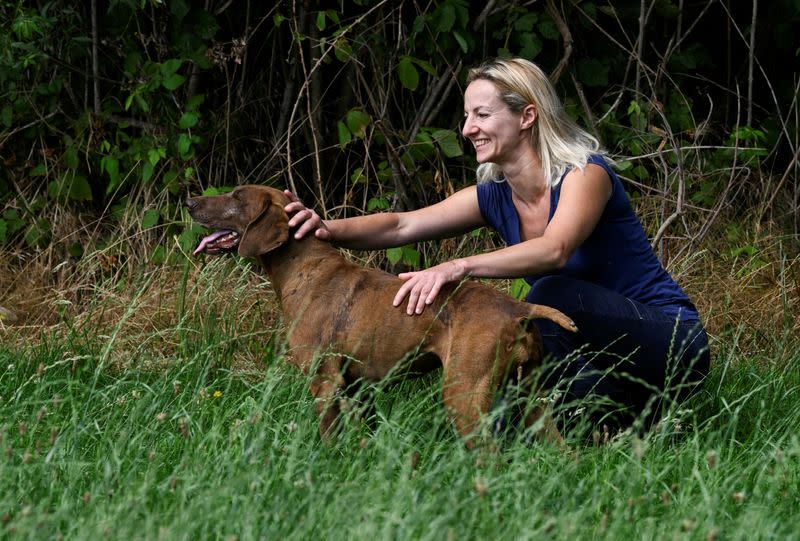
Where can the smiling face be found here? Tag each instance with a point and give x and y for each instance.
(498, 134)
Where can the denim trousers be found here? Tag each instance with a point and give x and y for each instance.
(628, 359)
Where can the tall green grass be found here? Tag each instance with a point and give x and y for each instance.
(177, 443)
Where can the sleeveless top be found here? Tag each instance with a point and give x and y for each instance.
(616, 255)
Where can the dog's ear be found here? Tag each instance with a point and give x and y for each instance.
(269, 230)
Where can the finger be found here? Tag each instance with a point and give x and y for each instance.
(433, 292)
(401, 294)
(322, 233)
(294, 208)
(302, 216)
(406, 275)
(413, 298)
(422, 301)
(307, 226)
(292, 197)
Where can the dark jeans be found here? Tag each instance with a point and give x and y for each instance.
(626, 361)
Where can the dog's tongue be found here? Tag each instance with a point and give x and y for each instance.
(209, 239)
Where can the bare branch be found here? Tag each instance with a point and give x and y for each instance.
(566, 35)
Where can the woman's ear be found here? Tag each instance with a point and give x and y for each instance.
(529, 115)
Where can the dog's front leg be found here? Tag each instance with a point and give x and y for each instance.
(325, 387)
(466, 397)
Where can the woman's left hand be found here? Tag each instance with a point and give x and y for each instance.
(423, 286)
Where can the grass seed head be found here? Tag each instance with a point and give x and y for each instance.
(711, 459)
(481, 487)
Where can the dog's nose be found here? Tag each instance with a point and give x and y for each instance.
(191, 203)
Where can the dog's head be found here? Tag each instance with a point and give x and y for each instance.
(250, 218)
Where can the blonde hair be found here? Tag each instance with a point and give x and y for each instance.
(556, 138)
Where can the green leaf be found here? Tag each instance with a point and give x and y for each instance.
(71, 158)
(531, 45)
(173, 81)
(147, 171)
(195, 101)
(321, 20)
(411, 256)
(187, 240)
(39, 171)
(377, 203)
(158, 256)
(110, 165)
(332, 15)
(184, 145)
(549, 30)
(6, 116)
(409, 76)
(188, 120)
(342, 49)
(357, 122)
(205, 25)
(519, 289)
(526, 22)
(425, 65)
(461, 41)
(448, 142)
(150, 219)
(344, 134)
(155, 154)
(169, 67)
(79, 189)
(3, 231)
(447, 18)
(358, 175)
(394, 255)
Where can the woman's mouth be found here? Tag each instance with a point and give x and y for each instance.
(478, 143)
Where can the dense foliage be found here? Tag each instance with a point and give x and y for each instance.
(356, 105)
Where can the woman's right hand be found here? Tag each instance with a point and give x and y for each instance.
(307, 219)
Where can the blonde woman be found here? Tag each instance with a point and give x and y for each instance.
(569, 229)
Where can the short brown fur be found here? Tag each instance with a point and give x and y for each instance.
(342, 325)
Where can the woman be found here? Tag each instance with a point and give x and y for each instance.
(569, 228)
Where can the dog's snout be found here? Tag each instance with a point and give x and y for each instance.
(191, 204)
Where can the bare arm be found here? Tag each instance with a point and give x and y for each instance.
(457, 214)
(584, 195)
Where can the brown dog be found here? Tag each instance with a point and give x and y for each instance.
(340, 314)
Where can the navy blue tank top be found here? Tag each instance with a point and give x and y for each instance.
(616, 255)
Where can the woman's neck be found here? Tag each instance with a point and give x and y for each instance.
(526, 177)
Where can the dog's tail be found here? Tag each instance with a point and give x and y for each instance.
(545, 312)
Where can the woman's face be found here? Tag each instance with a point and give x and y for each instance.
(497, 133)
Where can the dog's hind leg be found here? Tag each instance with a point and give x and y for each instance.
(471, 377)
(326, 386)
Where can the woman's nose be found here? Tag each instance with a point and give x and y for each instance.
(468, 127)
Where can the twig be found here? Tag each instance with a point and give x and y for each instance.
(6, 136)
(585, 103)
(95, 65)
(433, 96)
(317, 167)
(783, 179)
(485, 13)
(639, 47)
(566, 35)
(325, 53)
(750, 60)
